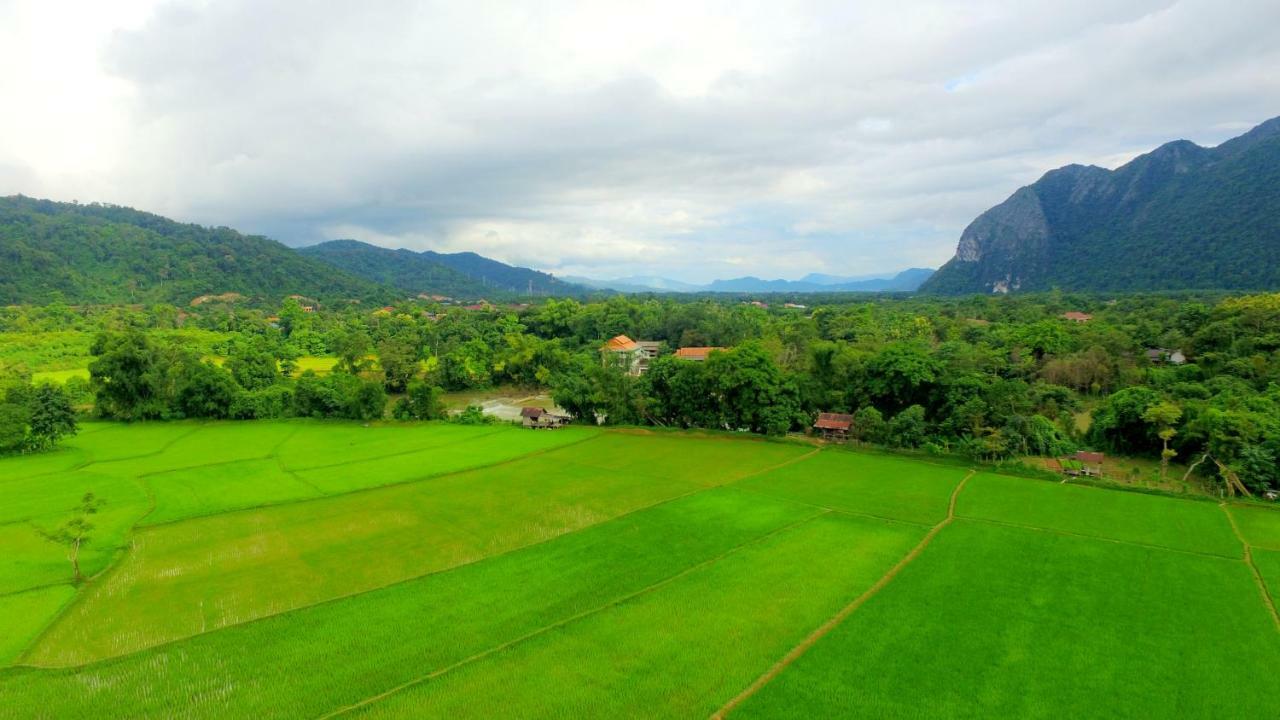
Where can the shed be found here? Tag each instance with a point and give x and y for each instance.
(537, 418)
(1089, 462)
(834, 426)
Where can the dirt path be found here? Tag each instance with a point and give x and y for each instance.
(844, 612)
(1248, 560)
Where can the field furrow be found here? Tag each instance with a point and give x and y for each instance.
(371, 643)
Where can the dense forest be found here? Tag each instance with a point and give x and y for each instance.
(1170, 376)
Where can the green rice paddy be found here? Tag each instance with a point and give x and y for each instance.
(307, 569)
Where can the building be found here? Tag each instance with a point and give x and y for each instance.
(696, 354)
(1077, 317)
(632, 355)
(536, 418)
(834, 426)
(1084, 462)
(1159, 356)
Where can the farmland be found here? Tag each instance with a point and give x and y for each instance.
(298, 569)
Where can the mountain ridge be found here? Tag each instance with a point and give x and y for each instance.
(1181, 216)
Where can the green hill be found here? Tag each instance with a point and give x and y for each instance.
(51, 251)
(462, 274)
(1179, 217)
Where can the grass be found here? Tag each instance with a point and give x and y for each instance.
(1260, 526)
(291, 569)
(1128, 517)
(996, 621)
(871, 484)
(373, 642)
(24, 615)
(682, 649)
(185, 578)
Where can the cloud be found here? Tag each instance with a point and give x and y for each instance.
(688, 139)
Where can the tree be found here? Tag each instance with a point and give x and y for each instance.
(421, 402)
(868, 425)
(253, 365)
(1163, 415)
(74, 533)
(352, 346)
(205, 391)
(908, 428)
(126, 378)
(52, 417)
(399, 360)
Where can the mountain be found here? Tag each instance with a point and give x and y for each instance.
(905, 281)
(458, 274)
(1179, 217)
(67, 252)
(505, 278)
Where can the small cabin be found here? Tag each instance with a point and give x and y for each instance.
(1085, 463)
(1077, 317)
(834, 426)
(536, 418)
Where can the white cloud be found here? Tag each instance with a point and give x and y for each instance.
(682, 138)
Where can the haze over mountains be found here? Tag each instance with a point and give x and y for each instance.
(1179, 217)
(905, 281)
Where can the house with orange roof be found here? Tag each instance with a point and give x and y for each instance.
(630, 354)
(1077, 317)
(696, 354)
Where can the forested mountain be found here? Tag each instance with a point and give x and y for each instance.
(465, 274)
(66, 252)
(403, 269)
(1179, 217)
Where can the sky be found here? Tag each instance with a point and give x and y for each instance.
(690, 140)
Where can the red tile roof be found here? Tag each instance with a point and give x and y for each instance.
(621, 343)
(1077, 316)
(695, 353)
(1092, 458)
(834, 421)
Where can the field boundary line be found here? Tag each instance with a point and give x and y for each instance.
(571, 619)
(838, 511)
(113, 565)
(1117, 541)
(1248, 560)
(371, 488)
(840, 616)
(399, 453)
(358, 593)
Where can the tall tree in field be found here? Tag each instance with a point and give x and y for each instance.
(126, 377)
(74, 533)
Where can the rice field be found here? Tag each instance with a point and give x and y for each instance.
(305, 569)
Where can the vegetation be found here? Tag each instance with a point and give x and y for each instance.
(66, 252)
(529, 573)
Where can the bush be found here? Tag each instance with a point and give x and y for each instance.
(422, 402)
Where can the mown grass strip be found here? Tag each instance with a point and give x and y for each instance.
(310, 661)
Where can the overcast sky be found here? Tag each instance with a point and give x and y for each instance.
(687, 139)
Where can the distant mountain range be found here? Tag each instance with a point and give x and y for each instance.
(458, 274)
(1179, 217)
(905, 281)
